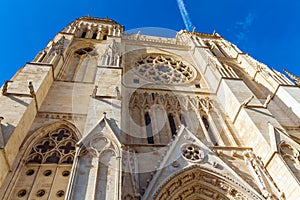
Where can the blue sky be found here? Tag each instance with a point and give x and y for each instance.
(267, 30)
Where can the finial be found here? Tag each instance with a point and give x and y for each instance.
(118, 93)
(4, 88)
(104, 113)
(31, 90)
(89, 16)
(215, 32)
(292, 76)
(106, 18)
(94, 94)
(194, 30)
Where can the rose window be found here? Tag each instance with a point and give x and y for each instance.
(163, 69)
(192, 152)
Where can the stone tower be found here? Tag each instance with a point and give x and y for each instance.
(100, 114)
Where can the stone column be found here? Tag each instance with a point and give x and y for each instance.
(92, 180)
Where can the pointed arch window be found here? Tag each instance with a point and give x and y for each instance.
(182, 120)
(172, 124)
(47, 167)
(83, 34)
(210, 132)
(149, 132)
(94, 35)
(206, 123)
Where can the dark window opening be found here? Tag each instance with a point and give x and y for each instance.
(197, 85)
(105, 37)
(182, 120)
(172, 125)
(222, 50)
(207, 44)
(94, 36)
(83, 34)
(149, 129)
(153, 96)
(213, 52)
(211, 135)
(42, 58)
(206, 124)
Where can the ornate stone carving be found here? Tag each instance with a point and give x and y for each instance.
(291, 155)
(58, 46)
(68, 116)
(56, 147)
(199, 182)
(205, 104)
(112, 55)
(264, 181)
(163, 69)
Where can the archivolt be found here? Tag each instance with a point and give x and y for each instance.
(198, 183)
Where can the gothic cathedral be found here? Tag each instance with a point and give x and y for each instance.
(103, 115)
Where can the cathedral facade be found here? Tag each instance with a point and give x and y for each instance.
(100, 114)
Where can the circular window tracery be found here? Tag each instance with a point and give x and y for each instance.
(192, 152)
(164, 69)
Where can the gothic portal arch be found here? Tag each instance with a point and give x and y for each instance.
(45, 165)
(195, 182)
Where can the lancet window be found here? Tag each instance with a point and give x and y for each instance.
(149, 129)
(182, 120)
(216, 48)
(81, 65)
(155, 118)
(83, 34)
(96, 169)
(162, 115)
(172, 125)
(94, 35)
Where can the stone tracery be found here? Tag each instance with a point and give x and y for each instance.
(163, 69)
(192, 152)
(56, 147)
(47, 159)
(177, 109)
(291, 156)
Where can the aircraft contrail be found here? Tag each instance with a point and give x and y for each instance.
(185, 16)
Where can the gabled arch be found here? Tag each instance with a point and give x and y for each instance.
(201, 183)
(96, 172)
